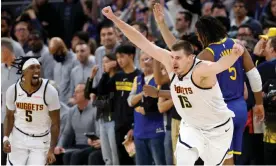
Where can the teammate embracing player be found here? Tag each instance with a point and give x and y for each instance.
(31, 126)
(206, 129)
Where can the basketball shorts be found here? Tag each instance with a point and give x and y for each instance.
(239, 107)
(28, 150)
(211, 145)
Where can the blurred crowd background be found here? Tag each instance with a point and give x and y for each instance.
(100, 75)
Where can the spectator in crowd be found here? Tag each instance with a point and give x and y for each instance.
(90, 9)
(65, 61)
(147, 140)
(72, 19)
(240, 13)
(64, 110)
(218, 9)
(206, 9)
(81, 119)
(174, 7)
(258, 55)
(269, 16)
(268, 74)
(6, 25)
(109, 45)
(9, 76)
(22, 32)
(121, 85)
(166, 107)
(162, 79)
(245, 31)
(78, 37)
(38, 48)
(48, 17)
(107, 124)
(141, 27)
(183, 24)
(83, 69)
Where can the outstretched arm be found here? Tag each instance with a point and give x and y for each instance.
(139, 40)
(213, 68)
(159, 15)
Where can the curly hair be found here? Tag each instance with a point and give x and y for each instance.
(210, 30)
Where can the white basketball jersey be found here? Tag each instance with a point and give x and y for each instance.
(201, 108)
(31, 113)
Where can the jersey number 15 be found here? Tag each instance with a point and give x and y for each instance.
(29, 117)
(184, 102)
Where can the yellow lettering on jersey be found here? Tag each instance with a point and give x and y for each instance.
(124, 86)
(231, 69)
(183, 90)
(226, 52)
(30, 106)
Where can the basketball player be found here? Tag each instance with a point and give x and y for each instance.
(214, 39)
(206, 129)
(31, 125)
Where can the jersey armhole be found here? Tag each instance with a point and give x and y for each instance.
(15, 92)
(210, 49)
(44, 93)
(173, 77)
(199, 87)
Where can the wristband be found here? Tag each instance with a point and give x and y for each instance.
(6, 138)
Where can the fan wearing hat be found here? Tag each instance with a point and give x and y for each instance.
(31, 125)
(259, 50)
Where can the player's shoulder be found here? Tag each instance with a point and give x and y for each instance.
(49, 86)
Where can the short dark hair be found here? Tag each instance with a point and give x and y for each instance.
(187, 15)
(246, 26)
(243, 2)
(8, 20)
(82, 42)
(183, 45)
(142, 26)
(82, 35)
(192, 38)
(218, 5)
(225, 21)
(273, 43)
(126, 49)
(88, 4)
(7, 43)
(106, 24)
(210, 30)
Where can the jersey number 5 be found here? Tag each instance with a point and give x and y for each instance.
(184, 102)
(29, 117)
(234, 71)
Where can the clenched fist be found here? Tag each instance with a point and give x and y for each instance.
(107, 12)
(237, 50)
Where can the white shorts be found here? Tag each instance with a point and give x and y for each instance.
(212, 145)
(27, 150)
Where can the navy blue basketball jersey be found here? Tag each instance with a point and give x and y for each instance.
(231, 81)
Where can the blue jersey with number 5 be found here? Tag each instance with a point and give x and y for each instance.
(231, 81)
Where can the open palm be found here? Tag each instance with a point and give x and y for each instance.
(158, 12)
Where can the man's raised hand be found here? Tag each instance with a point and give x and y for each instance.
(108, 13)
(158, 13)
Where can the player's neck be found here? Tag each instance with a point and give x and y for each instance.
(28, 87)
(82, 105)
(186, 70)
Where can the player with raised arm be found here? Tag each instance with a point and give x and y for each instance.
(216, 45)
(207, 128)
(31, 126)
